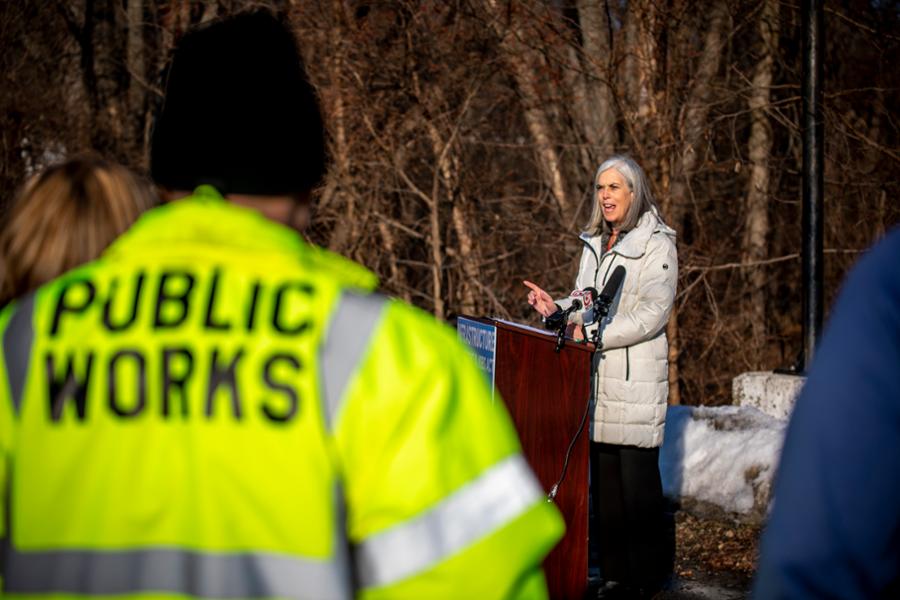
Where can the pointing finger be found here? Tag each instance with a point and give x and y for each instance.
(531, 286)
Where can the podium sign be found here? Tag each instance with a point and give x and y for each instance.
(482, 339)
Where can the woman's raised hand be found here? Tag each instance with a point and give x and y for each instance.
(540, 300)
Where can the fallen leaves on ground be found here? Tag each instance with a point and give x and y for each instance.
(705, 547)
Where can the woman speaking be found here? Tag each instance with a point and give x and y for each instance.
(630, 385)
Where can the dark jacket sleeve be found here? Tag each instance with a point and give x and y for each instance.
(834, 531)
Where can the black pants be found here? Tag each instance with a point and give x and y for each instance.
(629, 522)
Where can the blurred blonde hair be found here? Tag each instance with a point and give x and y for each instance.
(64, 217)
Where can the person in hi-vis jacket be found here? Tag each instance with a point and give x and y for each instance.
(630, 386)
(217, 409)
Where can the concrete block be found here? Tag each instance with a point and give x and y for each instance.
(771, 393)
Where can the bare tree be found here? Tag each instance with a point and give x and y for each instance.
(594, 98)
(462, 135)
(692, 127)
(525, 64)
(759, 147)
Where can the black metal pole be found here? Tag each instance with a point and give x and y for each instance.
(813, 176)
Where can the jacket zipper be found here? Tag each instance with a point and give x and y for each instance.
(606, 274)
(627, 365)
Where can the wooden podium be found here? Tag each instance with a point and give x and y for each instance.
(546, 394)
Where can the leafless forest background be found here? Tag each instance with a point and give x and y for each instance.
(464, 135)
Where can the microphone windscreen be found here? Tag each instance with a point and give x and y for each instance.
(613, 283)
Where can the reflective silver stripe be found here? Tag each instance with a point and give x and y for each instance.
(342, 558)
(17, 341)
(346, 340)
(498, 496)
(177, 571)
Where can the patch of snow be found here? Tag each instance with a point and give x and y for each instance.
(38, 159)
(721, 459)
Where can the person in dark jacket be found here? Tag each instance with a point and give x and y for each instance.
(834, 531)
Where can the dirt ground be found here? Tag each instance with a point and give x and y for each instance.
(713, 560)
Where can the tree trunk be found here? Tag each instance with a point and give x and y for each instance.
(638, 97)
(137, 70)
(467, 258)
(396, 275)
(693, 127)
(448, 174)
(437, 256)
(338, 193)
(447, 162)
(522, 62)
(756, 226)
(696, 111)
(176, 20)
(88, 74)
(595, 103)
(210, 10)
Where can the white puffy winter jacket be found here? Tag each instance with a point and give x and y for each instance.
(631, 375)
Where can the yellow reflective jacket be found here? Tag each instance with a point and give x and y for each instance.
(216, 409)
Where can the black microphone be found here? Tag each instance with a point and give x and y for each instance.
(612, 286)
(576, 305)
(559, 319)
(603, 302)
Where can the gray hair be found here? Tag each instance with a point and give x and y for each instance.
(638, 184)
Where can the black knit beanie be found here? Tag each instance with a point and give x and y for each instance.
(239, 113)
